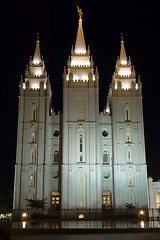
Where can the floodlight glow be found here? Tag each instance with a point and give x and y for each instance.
(141, 212)
(80, 51)
(142, 224)
(82, 77)
(34, 85)
(124, 72)
(38, 72)
(81, 216)
(80, 61)
(24, 224)
(36, 61)
(126, 85)
(24, 214)
(67, 77)
(108, 109)
(124, 62)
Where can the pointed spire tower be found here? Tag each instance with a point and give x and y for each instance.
(36, 72)
(37, 55)
(124, 73)
(80, 65)
(123, 56)
(80, 46)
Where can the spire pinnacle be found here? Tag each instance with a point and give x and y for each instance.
(37, 55)
(123, 57)
(80, 46)
(80, 13)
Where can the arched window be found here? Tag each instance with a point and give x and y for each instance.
(31, 179)
(128, 135)
(55, 199)
(105, 157)
(131, 198)
(55, 156)
(80, 110)
(80, 145)
(157, 200)
(127, 113)
(32, 134)
(32, 157)
(130, 179)
(129, 155)
(31, 196)
(106, 199)
(33, 112)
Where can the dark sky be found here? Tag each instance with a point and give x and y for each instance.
(57, 22)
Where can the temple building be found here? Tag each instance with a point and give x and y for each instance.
(81, 158)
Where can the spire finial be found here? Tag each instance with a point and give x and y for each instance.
(37, 38)
(123, 56)
(80, 13)
(80, 46)
(37, 55)
(122, 38)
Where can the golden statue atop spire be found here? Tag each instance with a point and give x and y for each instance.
(80, 13)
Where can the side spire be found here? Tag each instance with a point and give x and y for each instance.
(37, 55)
(80, 46)
(123, 56)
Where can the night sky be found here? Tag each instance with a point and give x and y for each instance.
(57, 22)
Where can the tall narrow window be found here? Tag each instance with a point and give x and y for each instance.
(33, 113)
(80, 110)
(128, 135)
(129, 155)
(131, 198)
(31, 196)
(105, 157)
(81, 148)
(32, 180)
(33, 136)
(130, 179)
(56, 157)
(127, 113)
(80, 145)
(32, 155)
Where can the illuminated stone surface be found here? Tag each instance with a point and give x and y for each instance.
(85, 159)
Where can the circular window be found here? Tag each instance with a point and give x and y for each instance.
(105, 133)
(56, 133)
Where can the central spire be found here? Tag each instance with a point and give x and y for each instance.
(80, 46)
(123, 56)
(37, 55)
